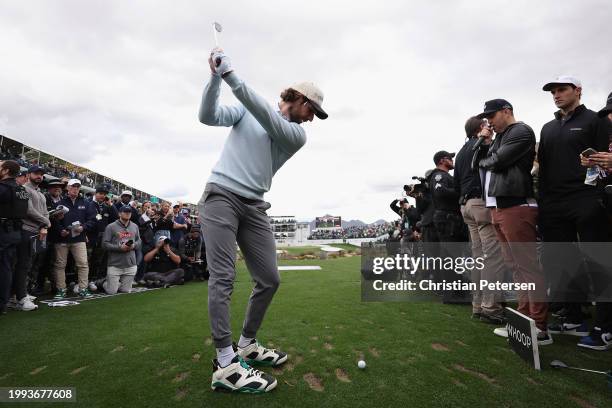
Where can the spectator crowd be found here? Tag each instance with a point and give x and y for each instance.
(537, 213)
(52, 234)
(357, 231)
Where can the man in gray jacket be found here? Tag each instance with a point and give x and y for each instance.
(121, 239)
(33, 234)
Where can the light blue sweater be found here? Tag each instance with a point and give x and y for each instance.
(260, 142)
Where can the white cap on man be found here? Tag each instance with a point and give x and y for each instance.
(127, 192)
(563, 80)
(74, 182)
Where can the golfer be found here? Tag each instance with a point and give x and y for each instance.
(232, 209)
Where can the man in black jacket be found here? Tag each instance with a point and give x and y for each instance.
(486, 304)
(13, 209)
(106, 214)
(447, 219)
(570, 209)
(508, 190)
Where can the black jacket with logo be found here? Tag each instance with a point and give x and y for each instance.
(561, 177)
(442, 187)
(105, 214)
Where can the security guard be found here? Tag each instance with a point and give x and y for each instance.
(13, 208)
(447, 217)
(106, 214)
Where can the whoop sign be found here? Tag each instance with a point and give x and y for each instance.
(523, 337)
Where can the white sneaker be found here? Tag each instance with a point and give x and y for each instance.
(240, 377)
(501, 331)
(256, 354)
(544, 338)
(26, 305)
(76, 289)
(92, 286)
(30, 297)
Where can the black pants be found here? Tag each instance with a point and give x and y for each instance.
(570, 275)
(8, 246)
(451, 228)
(97, 257)
(172, 277)
(25, 254)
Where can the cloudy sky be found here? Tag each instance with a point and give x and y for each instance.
(115, 85)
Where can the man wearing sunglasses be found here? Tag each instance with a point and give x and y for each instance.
(508, 191)
(232, 209)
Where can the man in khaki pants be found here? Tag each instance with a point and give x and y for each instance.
(486, 304)
(72, 228)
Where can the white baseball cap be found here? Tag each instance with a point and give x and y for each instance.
(73, 182)
(314, 95)
(563, 80)
(127, 192)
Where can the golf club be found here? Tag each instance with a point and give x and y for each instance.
(561, 364)
(217, 28)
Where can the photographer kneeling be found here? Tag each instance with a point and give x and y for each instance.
(190, 251)
(162, 265)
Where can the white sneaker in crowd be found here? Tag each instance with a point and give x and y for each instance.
(26, 305)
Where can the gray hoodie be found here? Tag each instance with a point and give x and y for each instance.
(117, 234)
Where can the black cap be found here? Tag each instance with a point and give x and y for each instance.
(22, 173)
(125, 208)
(442, 154)
(102, 188)
(56, 183)
(493, 106)
(36, 169)
(608, 108)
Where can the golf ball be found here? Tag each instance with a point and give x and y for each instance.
(361, 364)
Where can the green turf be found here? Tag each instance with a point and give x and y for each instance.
(302, 250)
(153, 349)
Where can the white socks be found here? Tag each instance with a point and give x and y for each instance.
(244, 341)
(225, 355)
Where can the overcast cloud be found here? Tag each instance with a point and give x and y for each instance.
(115, 85)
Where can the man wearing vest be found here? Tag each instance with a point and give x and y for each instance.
(13, 209)
(72, 228)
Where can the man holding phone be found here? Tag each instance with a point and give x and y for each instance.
(571, 209)
(121, 240)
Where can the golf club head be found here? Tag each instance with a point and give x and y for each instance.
(558, 364)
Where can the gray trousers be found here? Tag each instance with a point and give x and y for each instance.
(226, 219)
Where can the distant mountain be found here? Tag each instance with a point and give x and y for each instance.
(352, 223)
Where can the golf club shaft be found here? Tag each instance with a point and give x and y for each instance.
(587, 370)
(215, 34)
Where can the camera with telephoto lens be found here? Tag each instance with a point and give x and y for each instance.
(413, 189)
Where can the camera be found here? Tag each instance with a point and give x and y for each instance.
(420, 187)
